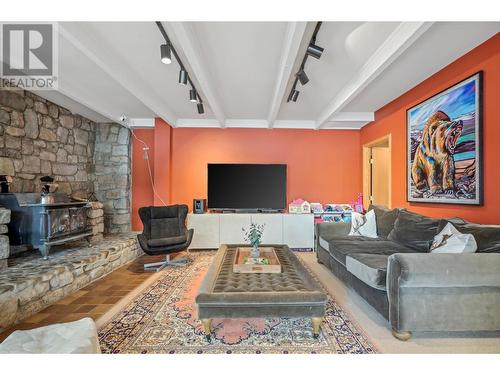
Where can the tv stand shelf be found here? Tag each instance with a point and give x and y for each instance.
(213, 229)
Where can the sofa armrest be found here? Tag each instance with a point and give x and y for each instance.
(443, 292)
(443, 270)
(328, 230)
(332, 229)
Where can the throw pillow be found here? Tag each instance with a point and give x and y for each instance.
(450, 241)
(414, 231)
(364, 225)
(487, 236)
(385, 219)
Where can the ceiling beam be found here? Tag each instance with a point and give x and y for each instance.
(188, 44)
(293, 38)
(117, 69)
(405, 34)
(352, 116)
(342, 120)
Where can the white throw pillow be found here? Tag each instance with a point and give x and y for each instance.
(451, 241)
(363, 225)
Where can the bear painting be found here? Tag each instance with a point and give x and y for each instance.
(444, 140)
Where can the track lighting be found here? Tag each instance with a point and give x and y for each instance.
(167, 50)
(183, 77)
(193, 96)
(302, 76)
(166, 53)
(314, 50)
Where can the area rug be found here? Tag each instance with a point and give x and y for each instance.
(163, 319)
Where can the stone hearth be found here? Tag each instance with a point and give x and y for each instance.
(30, 284)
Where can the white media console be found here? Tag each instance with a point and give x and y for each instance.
(212, 230)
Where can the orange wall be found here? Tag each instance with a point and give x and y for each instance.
(391, 119)
(142, 193)
(163, 160)
(322, 166)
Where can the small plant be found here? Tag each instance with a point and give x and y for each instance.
(254, 235)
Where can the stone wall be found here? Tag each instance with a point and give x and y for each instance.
(95, 221)
(37, 283)
(112, 175)
(4, 238)
(39, 138)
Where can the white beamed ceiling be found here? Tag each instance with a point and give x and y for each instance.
(244, 70)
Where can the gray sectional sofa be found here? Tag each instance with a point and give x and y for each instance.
(412, 288)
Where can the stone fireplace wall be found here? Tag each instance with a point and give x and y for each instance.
(112, 175)
(39, 138)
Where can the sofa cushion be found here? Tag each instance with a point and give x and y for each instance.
(385, 219)
(414, 231)
(487, 236)
(369, 268)
(326, 241)
(340, 248)
(160, 242)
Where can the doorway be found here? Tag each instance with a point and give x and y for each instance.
(377, 172)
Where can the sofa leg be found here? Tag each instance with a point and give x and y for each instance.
(401, 335)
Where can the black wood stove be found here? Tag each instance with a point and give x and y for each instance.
(42, 220)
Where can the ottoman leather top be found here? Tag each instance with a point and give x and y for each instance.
(293, 286)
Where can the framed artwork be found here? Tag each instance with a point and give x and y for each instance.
(444, 146)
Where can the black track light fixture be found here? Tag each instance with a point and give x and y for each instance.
(193, 96)
(167, 50)
(183, 77)
(166, 53)
(302, 76)
(315, 51)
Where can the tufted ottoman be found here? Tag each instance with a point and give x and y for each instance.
(293, 293)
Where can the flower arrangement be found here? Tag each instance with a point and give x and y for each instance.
(254, 236)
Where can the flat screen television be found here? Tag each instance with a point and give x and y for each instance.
(247, 186)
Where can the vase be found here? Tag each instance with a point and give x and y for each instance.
(255, 252)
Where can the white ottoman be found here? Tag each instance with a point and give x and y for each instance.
(73, 337)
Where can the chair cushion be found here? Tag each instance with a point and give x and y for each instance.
(168, 241)
(414, 231)
(487, 236)
(166, 227)
(369, 268)
(340, 248)
(385, 219)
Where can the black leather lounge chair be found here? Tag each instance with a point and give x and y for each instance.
(164, 232)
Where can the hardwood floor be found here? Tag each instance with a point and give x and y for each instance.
(94, 300)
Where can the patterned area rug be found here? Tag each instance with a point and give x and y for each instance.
(163, 319)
